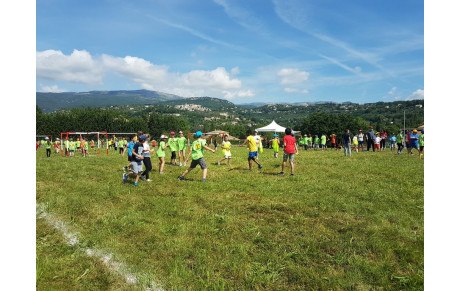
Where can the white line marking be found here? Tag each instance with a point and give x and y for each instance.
(106, 258)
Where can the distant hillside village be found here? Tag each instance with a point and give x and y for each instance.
(155, 111)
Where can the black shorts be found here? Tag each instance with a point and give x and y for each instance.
(173, 155)
(130, 158)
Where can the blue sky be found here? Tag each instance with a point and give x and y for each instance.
(243, 51)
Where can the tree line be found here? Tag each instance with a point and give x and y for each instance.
(112, 120)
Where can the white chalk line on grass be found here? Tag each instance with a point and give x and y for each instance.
(106, 258)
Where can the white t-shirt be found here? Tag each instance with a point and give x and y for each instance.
(146, 152)
(360, 137)
(257, 139)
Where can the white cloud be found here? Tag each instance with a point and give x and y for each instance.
(235, 71)
(216, 79)
(81, 67)
(291, 90)
(419, 94)
(238, 94)
(292, 76)
(392, 91)
(78, 67)
(51, 89)
(295, 90)
(136, 69)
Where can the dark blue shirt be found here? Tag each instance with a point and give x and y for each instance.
(346, 138)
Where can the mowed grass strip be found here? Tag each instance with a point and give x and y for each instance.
(338, 223)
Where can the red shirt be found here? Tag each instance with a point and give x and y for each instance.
(289, 144)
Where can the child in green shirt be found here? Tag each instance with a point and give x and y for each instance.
(172, 141)
(181, 144)
(161, 152)
(197, 150)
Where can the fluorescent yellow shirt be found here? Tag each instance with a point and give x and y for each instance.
(251, 144)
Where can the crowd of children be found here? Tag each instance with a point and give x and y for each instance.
(139, 149)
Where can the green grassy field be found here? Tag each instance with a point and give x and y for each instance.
(340, 223)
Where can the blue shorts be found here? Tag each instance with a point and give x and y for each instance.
(413, 145)
(252, 154)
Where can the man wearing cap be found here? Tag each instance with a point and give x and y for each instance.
(136, 163)
(370, 137)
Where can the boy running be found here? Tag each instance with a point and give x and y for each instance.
(252, 146)
(290, 147)
(197, 150)
(136, 162)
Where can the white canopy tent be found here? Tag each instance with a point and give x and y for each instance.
(272, 127)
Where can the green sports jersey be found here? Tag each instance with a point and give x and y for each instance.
(323, 139)
(72, 145)
(172, 144)
(198, 149)
(181, 141)
(399, 138)
(421, 140)
(161, 152)
(316, 140)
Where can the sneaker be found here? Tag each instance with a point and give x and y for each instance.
(125, 178)
(260, 166)
(292, 175)
(204, 180)
(142, 177)
(135, 184)
(180, 164)
(125, 169)
(218, 162)
(148, 180)
(281, 173)
(180, 178)
(161, 173)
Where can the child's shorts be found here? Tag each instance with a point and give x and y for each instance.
(227, 156)
(200, 162)
(136, 167)
(130, 158)
(252, 154)
(377, 146)
(288, 156)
